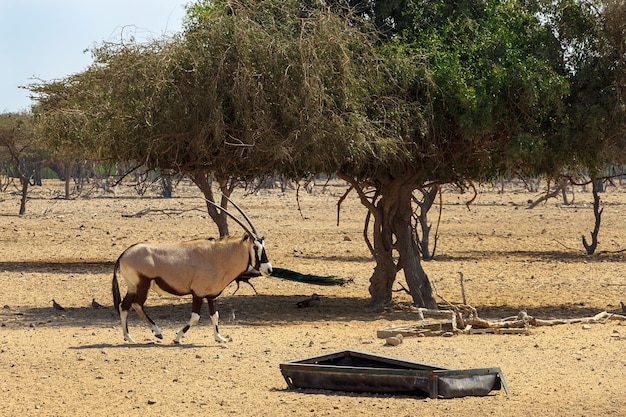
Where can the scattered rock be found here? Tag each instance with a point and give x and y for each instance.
(394, 340)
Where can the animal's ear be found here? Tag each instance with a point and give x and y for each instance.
(245, 237)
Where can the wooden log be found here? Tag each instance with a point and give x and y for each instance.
(482, 323)
(598, 318)
(498, 331)
(417, 329)
(139, 213)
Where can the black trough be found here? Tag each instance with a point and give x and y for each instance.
(365, 372)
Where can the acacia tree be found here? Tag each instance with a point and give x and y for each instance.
(19, 150)
(598, 102)
(63, 122)
(473, 84)
(591, 53)
(246, 91)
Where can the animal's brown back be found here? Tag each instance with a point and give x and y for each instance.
(203, 267)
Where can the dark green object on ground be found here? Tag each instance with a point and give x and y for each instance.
(308, 278)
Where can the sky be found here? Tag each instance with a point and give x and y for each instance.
(47, 39)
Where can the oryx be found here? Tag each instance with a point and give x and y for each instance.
(202, 268)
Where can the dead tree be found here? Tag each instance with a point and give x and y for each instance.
(597, 211)
(561, 188)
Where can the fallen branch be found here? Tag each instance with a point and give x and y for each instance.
(464, 317)
(139, 213)
(167, 212)
(601, 317)
(462, 287)
(524, 320)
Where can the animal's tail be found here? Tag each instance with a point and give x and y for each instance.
(115, 288)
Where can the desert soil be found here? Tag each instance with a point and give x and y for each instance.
(76, 363)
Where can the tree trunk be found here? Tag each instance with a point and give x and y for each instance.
(393, 231)
(407, 246)
(381, 281)
(37, 174)
(202, 180)
(597, 211)
(390, 206)
(25, 181)
(425, 205)
(166, 184)
(68, 177)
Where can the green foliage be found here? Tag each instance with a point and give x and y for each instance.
(486, 85)
(18, 145)
(254, 88)
(197, 13)
(592, 38)
(249, 89)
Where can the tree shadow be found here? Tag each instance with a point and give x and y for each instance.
(347, 258)
(61, 267)
(263, 310)
(572, 256)
(146, 345)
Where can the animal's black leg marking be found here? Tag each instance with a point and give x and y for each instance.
(214, 319)
(128, 301)
(196, 305)
(140, 299)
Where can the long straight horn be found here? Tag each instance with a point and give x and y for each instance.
(239, 222)
(256, 233)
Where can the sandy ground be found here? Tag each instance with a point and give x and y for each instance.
(76, 363)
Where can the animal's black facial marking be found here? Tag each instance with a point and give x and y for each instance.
(263, 258)
(260, 257)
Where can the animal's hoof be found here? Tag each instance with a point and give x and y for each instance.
(158, 336)
(220, 339)
(176, 341)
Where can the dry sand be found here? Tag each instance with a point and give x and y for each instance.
(76, 363)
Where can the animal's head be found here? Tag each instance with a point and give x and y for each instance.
(258, 256)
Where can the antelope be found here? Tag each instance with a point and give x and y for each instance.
(202, 268)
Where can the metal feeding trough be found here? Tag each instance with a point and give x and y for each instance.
(365, 372)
